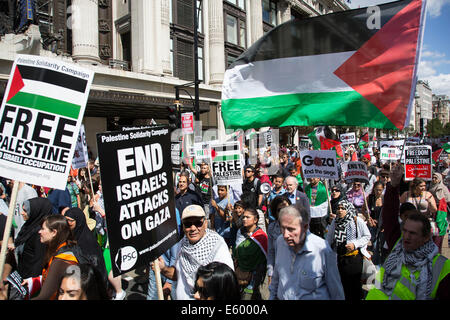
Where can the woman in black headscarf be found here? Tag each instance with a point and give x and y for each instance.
(86, 239)
(337, 194)
(29, 250)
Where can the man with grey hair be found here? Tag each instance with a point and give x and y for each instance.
(305, 266)
(294, 194)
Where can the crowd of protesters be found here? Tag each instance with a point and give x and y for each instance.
(304, 238)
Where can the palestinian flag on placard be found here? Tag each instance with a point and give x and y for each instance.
(355, 156)
(364, 141)
(348, 68)
(47, 90)
(441, 217)
(323, 138)
(225, 152)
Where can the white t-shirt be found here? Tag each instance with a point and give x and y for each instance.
(184, 289)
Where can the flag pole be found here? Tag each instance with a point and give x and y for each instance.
(8, 225)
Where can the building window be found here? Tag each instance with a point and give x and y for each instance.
(235, 30)
(269, 12)
(238, 3)
(182, 51)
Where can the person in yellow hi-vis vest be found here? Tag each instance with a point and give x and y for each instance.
(414, 270)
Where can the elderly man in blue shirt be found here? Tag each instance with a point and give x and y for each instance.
(305, 266)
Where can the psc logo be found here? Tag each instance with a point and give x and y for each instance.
(126, 258)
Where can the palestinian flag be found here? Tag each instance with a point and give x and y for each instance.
(260, 238)
(348, 68)
(355, 156)
(435, 156)
(441, 217)
(63, 92)
(446, 147)
(323, 138)
(363, 141)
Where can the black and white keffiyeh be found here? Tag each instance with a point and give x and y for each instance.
(192, 256)
(420, 259)
(341, 224)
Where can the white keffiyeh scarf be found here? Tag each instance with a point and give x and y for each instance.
(192, 256)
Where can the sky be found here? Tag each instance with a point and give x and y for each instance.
(434, 65)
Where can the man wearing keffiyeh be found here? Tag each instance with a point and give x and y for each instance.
(199, 246)
(414, 270)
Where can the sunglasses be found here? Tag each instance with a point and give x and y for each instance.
(335, 190)
(357, 184)
(248, 170)
(196, 223)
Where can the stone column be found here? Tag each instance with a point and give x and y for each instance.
(285, 11)
(85, 31)
(165, 37)
(145, 36)
(216, 42)
(255, 20)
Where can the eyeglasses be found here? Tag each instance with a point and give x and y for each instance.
(248, 171)
(357, 184)
(196, 223)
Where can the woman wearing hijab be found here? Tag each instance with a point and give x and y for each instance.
(348, 237)
(337, 194)
(86, 239)
(442, 197)
(29, 250)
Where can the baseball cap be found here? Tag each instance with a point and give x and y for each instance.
(193, 210)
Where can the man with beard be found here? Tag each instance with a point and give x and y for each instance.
(305, 265)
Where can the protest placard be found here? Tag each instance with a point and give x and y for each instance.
(348, 138)
(389, 154)
(418, 162)
(80, 156)
(42, 110)
(356, 171)
(175, 154)
(319, 164)
(202, 152)
(138, 194)
(398, 144)
(226, 163)
(187, 122)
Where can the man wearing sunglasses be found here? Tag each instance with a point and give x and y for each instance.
(199, 246)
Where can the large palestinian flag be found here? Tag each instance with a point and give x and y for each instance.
(352, 68)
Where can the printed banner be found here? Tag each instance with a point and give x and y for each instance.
(202, 153)
(80, 156)
(138, 194)
(398, 144)
(418, 162)
(40, 118)
(356, 171)
(226, 163)
(187, 123)
(389, 154)
(175, 154)
(348, 138)
(319, 164)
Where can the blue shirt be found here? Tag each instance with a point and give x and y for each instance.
(222, 227)
(310, 274)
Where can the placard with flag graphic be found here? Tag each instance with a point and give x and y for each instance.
(349, 68)
(40, 119)
(226, 163)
